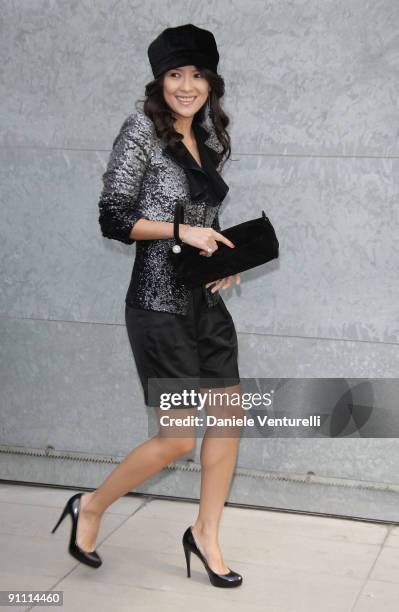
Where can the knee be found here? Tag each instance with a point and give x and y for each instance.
(187, 445)
(178, 447)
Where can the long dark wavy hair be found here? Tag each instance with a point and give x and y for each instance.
(156, 108)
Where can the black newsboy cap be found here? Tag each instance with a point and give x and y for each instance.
(183, 46)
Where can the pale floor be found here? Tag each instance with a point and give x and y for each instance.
(289, 562)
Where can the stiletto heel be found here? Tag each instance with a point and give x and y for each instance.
(231, 579)
(72, 507)
(63, 515)
(187, 552)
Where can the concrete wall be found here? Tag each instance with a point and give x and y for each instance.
(312, 91)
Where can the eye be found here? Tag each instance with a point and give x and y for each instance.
(199, 74)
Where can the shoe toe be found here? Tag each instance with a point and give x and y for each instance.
(95, 557)
(233, 578)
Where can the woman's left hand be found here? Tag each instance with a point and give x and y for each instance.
(224, 283)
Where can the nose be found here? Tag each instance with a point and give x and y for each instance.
(186, 87)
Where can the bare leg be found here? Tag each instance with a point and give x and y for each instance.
(140, 464)
(218, 459)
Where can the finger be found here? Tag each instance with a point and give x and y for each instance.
(213, 247)
(217, 286)
(220, 238)
(228, 279)
(219, 282)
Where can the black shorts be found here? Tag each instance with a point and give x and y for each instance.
(202, 345)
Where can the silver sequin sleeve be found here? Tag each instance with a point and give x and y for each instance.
(119, 203)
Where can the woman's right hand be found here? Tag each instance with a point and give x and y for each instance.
(203, 238)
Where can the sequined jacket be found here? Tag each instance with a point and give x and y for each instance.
(144, 178)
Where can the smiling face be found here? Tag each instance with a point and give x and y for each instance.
(185, 90)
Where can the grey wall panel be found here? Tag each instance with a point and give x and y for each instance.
(69, 385)
(58, 265)
(296, 357)
(73, 386)
(339, 256)
(302, 76)
(312, 92)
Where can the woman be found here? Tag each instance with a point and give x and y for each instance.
(165, 153)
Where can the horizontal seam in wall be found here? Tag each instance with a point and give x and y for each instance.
(238, 155)
(242, 333)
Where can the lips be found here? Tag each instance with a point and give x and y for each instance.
(185, 100)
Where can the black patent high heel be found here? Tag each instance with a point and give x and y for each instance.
(231, 579)
(72, 507)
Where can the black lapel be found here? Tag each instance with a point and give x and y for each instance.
(209, 160)
(205, 179)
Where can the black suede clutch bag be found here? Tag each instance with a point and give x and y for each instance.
(256, 243)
